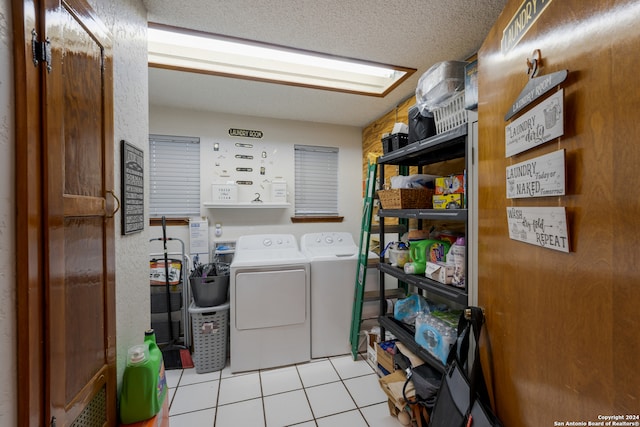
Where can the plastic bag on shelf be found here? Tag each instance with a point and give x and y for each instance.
(413, 181)
(406, 310)
(438, 84)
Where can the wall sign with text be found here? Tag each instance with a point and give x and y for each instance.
(539, 177)
(540, 226)
(132, 189)
(537, 126)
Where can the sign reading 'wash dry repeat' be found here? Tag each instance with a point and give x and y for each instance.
(545, 227)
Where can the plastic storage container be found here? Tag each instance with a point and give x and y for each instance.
(144, 386)
(438, 84)
(210, 325)
(210, 284)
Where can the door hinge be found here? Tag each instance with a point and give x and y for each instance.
(53, 422)
(41, 50)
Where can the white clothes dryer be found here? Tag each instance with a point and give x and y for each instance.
(334, 261)
(270, 296)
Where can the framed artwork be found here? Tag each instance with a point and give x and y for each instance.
(132, 188)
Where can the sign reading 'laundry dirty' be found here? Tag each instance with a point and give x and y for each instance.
(542, 124)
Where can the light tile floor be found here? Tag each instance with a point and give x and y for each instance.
(329, 392)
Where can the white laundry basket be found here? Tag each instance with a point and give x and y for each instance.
(210, 325)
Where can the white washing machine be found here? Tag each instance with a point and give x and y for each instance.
(334, 260)
(270, 296)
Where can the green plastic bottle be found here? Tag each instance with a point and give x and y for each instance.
(144, 385)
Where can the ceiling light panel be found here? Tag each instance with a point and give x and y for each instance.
(184, 50)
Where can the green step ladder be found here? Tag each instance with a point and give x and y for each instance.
(363, 258)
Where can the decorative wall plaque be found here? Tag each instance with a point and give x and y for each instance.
(539, 125)
(245, 133)
(528, 12)
(535, 88)
(132, 188)
(540, 226)
(539, 177)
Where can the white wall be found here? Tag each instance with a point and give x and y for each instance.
(8, 354)
(279, 137)
(127, 22)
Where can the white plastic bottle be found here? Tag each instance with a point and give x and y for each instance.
(458, 252)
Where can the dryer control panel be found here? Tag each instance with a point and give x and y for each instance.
(333, 244)
(266, 242)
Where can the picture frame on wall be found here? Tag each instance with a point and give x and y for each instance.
(132, 188)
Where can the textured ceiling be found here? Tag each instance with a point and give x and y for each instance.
(410, 33)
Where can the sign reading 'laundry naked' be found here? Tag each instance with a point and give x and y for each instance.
(542, 124)
(545, 227)
(539, 177)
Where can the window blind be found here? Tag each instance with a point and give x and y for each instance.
(316, 180)
(174, 163)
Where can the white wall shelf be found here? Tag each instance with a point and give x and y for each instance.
(247, 205)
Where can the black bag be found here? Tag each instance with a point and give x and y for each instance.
(420, 127)
(426, 382)
(463, 401)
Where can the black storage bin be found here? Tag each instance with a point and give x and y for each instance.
(393, 142)
(159, 298)
(420, 127)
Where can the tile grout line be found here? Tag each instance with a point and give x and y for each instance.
(304, 390)
(217, 407)
(349, 392)
(358, 407)
(264, 407)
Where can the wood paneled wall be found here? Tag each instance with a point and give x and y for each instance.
(372, 136)
(372, 148)
(563, 328)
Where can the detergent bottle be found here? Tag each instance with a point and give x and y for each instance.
(144, 385)
(422, 251)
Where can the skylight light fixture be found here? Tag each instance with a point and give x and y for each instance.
(192, 51)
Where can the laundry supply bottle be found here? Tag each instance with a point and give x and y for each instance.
(144, 386)
(458, 253)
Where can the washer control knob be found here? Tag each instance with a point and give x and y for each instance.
(267, 242)
(328, 239)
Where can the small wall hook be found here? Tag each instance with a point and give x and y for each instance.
(534, 64)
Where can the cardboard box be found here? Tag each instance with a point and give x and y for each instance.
(439, 272)
(371, 347)
(393, 409)
(392, 386)
(452, 184)
(448, 201)
(384, 358)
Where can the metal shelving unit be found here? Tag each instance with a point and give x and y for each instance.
(449, 145)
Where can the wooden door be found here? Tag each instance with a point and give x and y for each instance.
(75, 231)
(563, 327)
